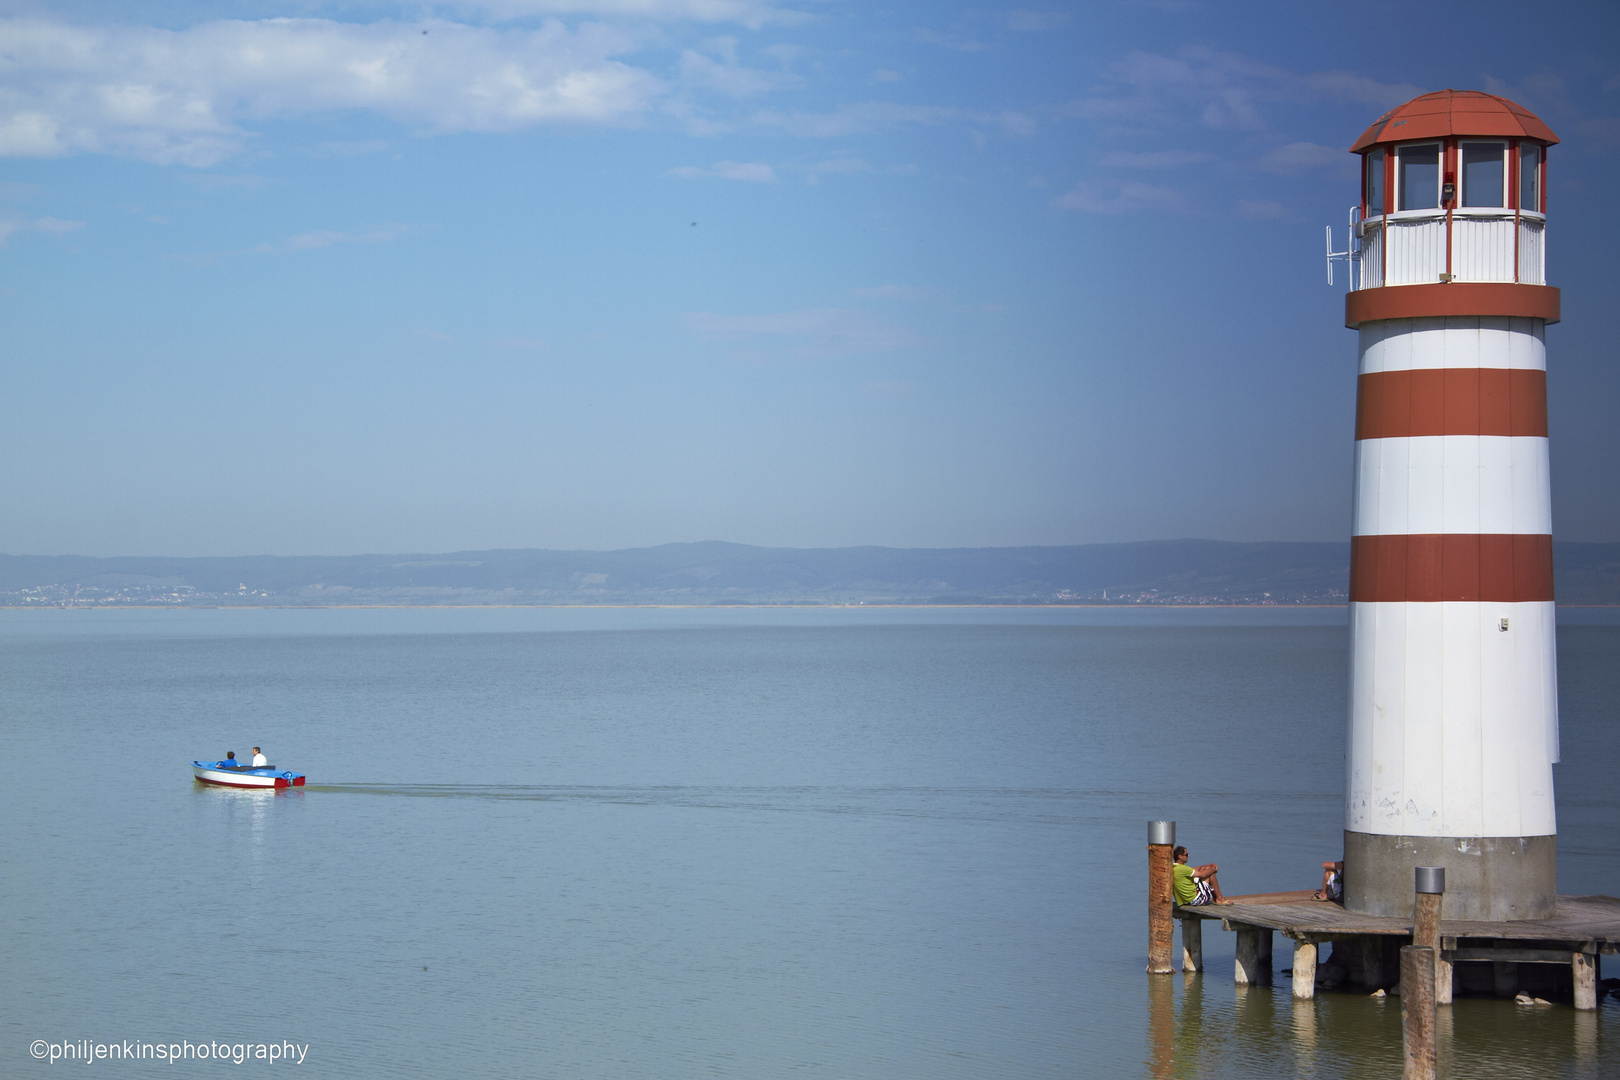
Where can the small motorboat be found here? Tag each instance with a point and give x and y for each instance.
(230, 774)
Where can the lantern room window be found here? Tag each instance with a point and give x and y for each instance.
(1375, 182)
(1530, 177)
(1484, 173)
(1417, 177)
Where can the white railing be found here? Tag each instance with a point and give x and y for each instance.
(1532, 251)
(1486, 245)
(1372, 256)
(1417, 249)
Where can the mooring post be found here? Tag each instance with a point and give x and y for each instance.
(1417, 1011)
(1304, 969)
(1430, 885)
(1161, 927)
(1192, 944)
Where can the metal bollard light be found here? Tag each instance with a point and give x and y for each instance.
(1430, 880)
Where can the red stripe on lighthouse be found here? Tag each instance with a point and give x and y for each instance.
(1429, 568)
(1451, 401)
(1458, 298)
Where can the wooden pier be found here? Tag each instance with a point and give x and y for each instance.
(1366, 948)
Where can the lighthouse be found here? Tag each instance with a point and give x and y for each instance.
(1453, 715)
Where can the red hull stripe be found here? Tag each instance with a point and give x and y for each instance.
(1437, 567)
(1451, 401)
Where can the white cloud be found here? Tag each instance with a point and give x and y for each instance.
(1218, 90)
(182, 96)
(9, 227)
(1095, 198)
(1155, 159)
(817, 331)
(885, 75)
(1298, 157)
(727, 75)
(313, 241)
(782, 52)
(750, 13)
(870, 116)
(755, 171)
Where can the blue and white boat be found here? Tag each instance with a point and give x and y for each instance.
(230, 774)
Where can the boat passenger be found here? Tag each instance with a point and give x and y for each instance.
(230, 761)
(259, 760)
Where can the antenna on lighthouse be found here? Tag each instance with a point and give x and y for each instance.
(1352, 247)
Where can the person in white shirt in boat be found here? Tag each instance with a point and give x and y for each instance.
(259, 760)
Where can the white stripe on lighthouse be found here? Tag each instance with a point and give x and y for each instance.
(1453, 722)
(1452, 484)
(1481, 341)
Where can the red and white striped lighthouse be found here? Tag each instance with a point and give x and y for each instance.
(1453, 673)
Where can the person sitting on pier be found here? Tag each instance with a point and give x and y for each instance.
(1332, 882)
(1194, 885)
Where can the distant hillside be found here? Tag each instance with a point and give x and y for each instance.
(1159, 572)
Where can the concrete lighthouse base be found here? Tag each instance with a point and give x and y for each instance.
(1489, 878)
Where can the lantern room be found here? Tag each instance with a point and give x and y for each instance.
(1454, 188)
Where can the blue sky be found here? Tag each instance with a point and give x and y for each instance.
(308, 278)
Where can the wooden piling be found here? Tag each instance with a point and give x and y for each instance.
(1192, 945)
(1304, 969)
(1431, 887)
(1372, 961)
(1585, 972)
(1417, 1011)
(1253, 966)
(1161, 927)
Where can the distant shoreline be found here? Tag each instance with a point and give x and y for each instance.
(666, 607)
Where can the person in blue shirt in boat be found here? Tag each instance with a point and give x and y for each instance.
(230, 761)
(259, 760)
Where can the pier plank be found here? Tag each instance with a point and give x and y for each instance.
(1591, 919)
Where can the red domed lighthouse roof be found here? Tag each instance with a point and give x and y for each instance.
(1455, 112)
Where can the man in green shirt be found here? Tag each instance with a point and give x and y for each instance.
(1194, 885)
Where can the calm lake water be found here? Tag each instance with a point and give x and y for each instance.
(705, 843)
